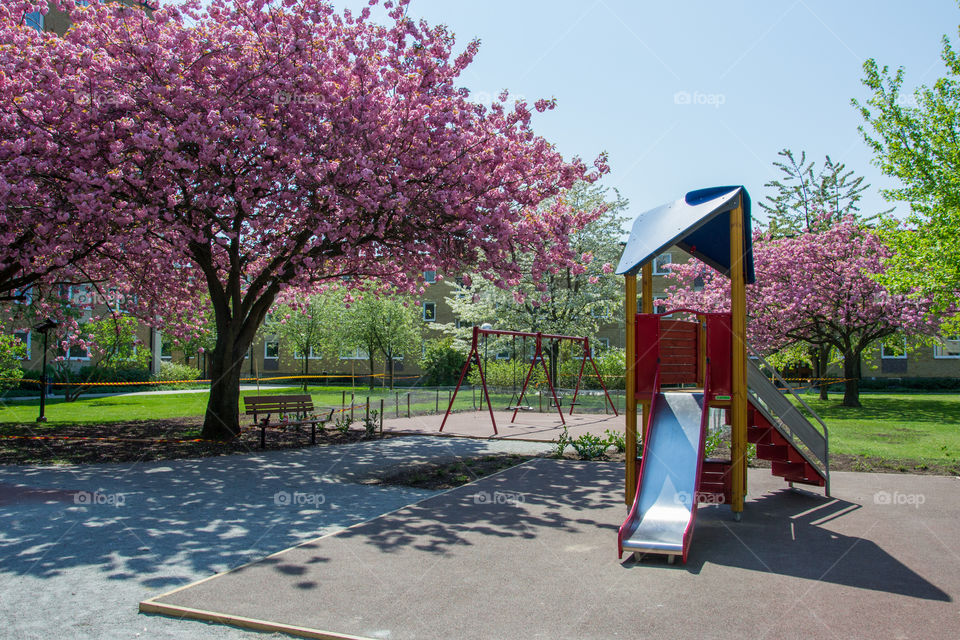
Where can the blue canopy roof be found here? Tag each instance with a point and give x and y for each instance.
(698, 223)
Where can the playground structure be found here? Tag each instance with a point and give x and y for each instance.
(516, 401)
(705, 360)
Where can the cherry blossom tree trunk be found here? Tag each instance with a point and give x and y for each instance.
(222, 419)
(851, 374)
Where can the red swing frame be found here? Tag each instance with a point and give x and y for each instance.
(537, 357)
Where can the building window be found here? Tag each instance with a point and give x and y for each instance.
(600, 310)
(271, 349)
(604, 343)
(355, 354)
(659, 305)
(463, 324)
(430, 276)
(429, 311)
(660, 263)
(894, 351)
(24, 338)
(77, 352)
(949, 347)
(166, 349)
(312, 355)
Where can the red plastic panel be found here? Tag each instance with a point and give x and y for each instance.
(648, 352)
(720, 353)
(679, 351)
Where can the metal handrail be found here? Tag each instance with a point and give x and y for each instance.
(826, 431)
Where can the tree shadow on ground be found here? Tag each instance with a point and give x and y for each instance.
(164, 523)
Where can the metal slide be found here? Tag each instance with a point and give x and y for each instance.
(661, 519)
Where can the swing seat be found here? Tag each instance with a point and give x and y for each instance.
(520, 408)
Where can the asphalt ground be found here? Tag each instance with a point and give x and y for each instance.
(81, 545)
(531, 553)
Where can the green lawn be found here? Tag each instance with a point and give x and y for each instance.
(922, 428)
(919, 427)
(179, 405)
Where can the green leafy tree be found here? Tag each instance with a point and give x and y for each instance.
(442, 362)
(570, 301)
(308, 329)
(12, 352)
(385, 324)
(811, 198)
(914, 139)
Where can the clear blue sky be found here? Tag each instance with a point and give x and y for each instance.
(761, 76)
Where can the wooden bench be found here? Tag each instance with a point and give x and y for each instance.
(291, 411)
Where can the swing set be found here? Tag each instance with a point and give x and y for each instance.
(516, 401)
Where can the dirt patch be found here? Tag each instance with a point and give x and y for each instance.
(845, 462)
(451, 474)
(144, 440)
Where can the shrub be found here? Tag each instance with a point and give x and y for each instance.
(370, 424)
(589, 446)
(616, 440)
(170, 372)
(562, 442)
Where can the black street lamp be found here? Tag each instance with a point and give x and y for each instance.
(44, 328)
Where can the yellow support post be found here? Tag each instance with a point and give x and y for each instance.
(738, 405)
(646, 304)
(630, 381)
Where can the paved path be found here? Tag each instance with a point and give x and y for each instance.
(531, 553)
(81, 545)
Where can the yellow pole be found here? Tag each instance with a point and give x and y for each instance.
(646, 304)
(738, 405)
(630, 381)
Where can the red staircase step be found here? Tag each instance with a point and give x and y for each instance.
(793, 469)
(779, 452)
(816, 481)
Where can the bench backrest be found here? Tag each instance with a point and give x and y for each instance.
(294, 404)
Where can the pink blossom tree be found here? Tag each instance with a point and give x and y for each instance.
(819, 288)
(274, 147)
(57, 186)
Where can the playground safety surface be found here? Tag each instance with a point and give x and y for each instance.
(530, 425)
(531, 552)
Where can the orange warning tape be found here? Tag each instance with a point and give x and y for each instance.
(197, 381)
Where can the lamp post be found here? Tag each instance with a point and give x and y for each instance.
(44, 328)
